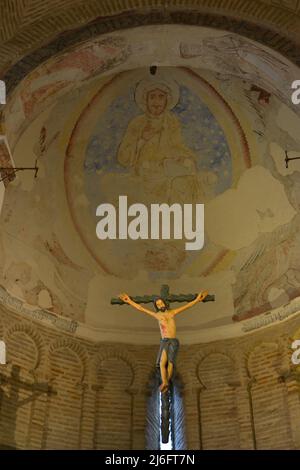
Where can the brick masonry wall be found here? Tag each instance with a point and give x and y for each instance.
(114, 400)
(24, 26)
(64, 407)
(217, 403)
(269, 398)
(59, 392)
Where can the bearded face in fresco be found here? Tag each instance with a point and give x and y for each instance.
(153, 142)
(157, 100)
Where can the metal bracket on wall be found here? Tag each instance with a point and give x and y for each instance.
(9, 171)
(287, 159)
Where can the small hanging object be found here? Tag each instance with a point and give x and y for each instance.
(287, 159)
(8, 172)
(153, 69)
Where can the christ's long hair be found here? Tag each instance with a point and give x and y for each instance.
(164, 301)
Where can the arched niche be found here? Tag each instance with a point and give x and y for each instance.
(114, 404)
(218, 412)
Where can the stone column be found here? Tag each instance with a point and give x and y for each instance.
(292, 383)
(245, 414)
(290, 376)
(139, 402)
(38, 419)
(87, 422)
(191, 400)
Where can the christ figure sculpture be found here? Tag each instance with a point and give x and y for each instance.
(169, 344)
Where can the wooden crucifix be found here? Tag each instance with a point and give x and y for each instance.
(164, 295)
(169, 344)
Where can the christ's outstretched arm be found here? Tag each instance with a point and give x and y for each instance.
(128, 301)
(199, 298)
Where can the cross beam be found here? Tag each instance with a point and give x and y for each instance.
(164, 295)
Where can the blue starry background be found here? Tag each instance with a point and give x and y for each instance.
(200, 130)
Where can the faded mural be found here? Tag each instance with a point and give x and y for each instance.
(210, 127)
(152, 125)
(167, 146)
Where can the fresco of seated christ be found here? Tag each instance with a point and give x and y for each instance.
(153, 146)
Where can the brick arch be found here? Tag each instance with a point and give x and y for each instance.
(268, 397)
(257, 348)
(75, 348)
(190, 374)
(123, 354)
(34, 337)
(23, 27)
(217, 402)
(66, 366)
(25, 351)
(120, 369)
(190, 368)
(115, 372)
(221, 357)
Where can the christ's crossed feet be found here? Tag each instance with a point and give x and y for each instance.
(164, 387)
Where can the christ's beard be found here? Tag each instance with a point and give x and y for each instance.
(163, 309)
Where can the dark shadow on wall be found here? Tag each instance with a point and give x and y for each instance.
(8, 408)
(152, 426)
(177, 428)
(10, 402)
(178, 436)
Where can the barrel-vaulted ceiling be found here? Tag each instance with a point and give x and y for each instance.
(72, 70)
(26, 25)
